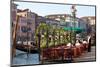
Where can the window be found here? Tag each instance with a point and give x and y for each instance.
(24, 29)
(29, 21)
(29, 29)
(25, 15)
(23, 20)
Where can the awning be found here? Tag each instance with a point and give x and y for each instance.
(77, 30)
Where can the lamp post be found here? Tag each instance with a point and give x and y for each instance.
(73, 13)
(70, 29)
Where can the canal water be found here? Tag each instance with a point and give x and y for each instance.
(22, 58)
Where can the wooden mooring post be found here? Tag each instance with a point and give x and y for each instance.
(14, 37)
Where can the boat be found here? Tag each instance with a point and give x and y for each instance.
(27, 48)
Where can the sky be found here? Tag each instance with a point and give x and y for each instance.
(43, 9)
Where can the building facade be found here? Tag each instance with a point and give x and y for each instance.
(26, 25)
(13, 12)
(91, 22)
(90, 19)
(68, 21)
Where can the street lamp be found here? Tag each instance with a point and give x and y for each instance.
(73, 13)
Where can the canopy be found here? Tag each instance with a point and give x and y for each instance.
(76, 29)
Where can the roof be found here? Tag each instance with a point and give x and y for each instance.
(58, 15)
(54, 15)
(14, 4)
(86, 17)
(19, 10)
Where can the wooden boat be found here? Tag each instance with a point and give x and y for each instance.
(27, 48)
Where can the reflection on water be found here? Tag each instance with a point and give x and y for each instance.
(22, 58)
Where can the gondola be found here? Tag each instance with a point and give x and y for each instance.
(27, 48)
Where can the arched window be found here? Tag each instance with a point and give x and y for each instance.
(24, 29)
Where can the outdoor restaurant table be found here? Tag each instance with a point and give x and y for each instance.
(79, 49)
(63, 52)
(74, 50)
(67, 52)
(85, 45)
(46, 53)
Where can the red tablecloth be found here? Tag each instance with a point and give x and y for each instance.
(63, 51)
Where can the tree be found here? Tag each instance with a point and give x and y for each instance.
(42, 30)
